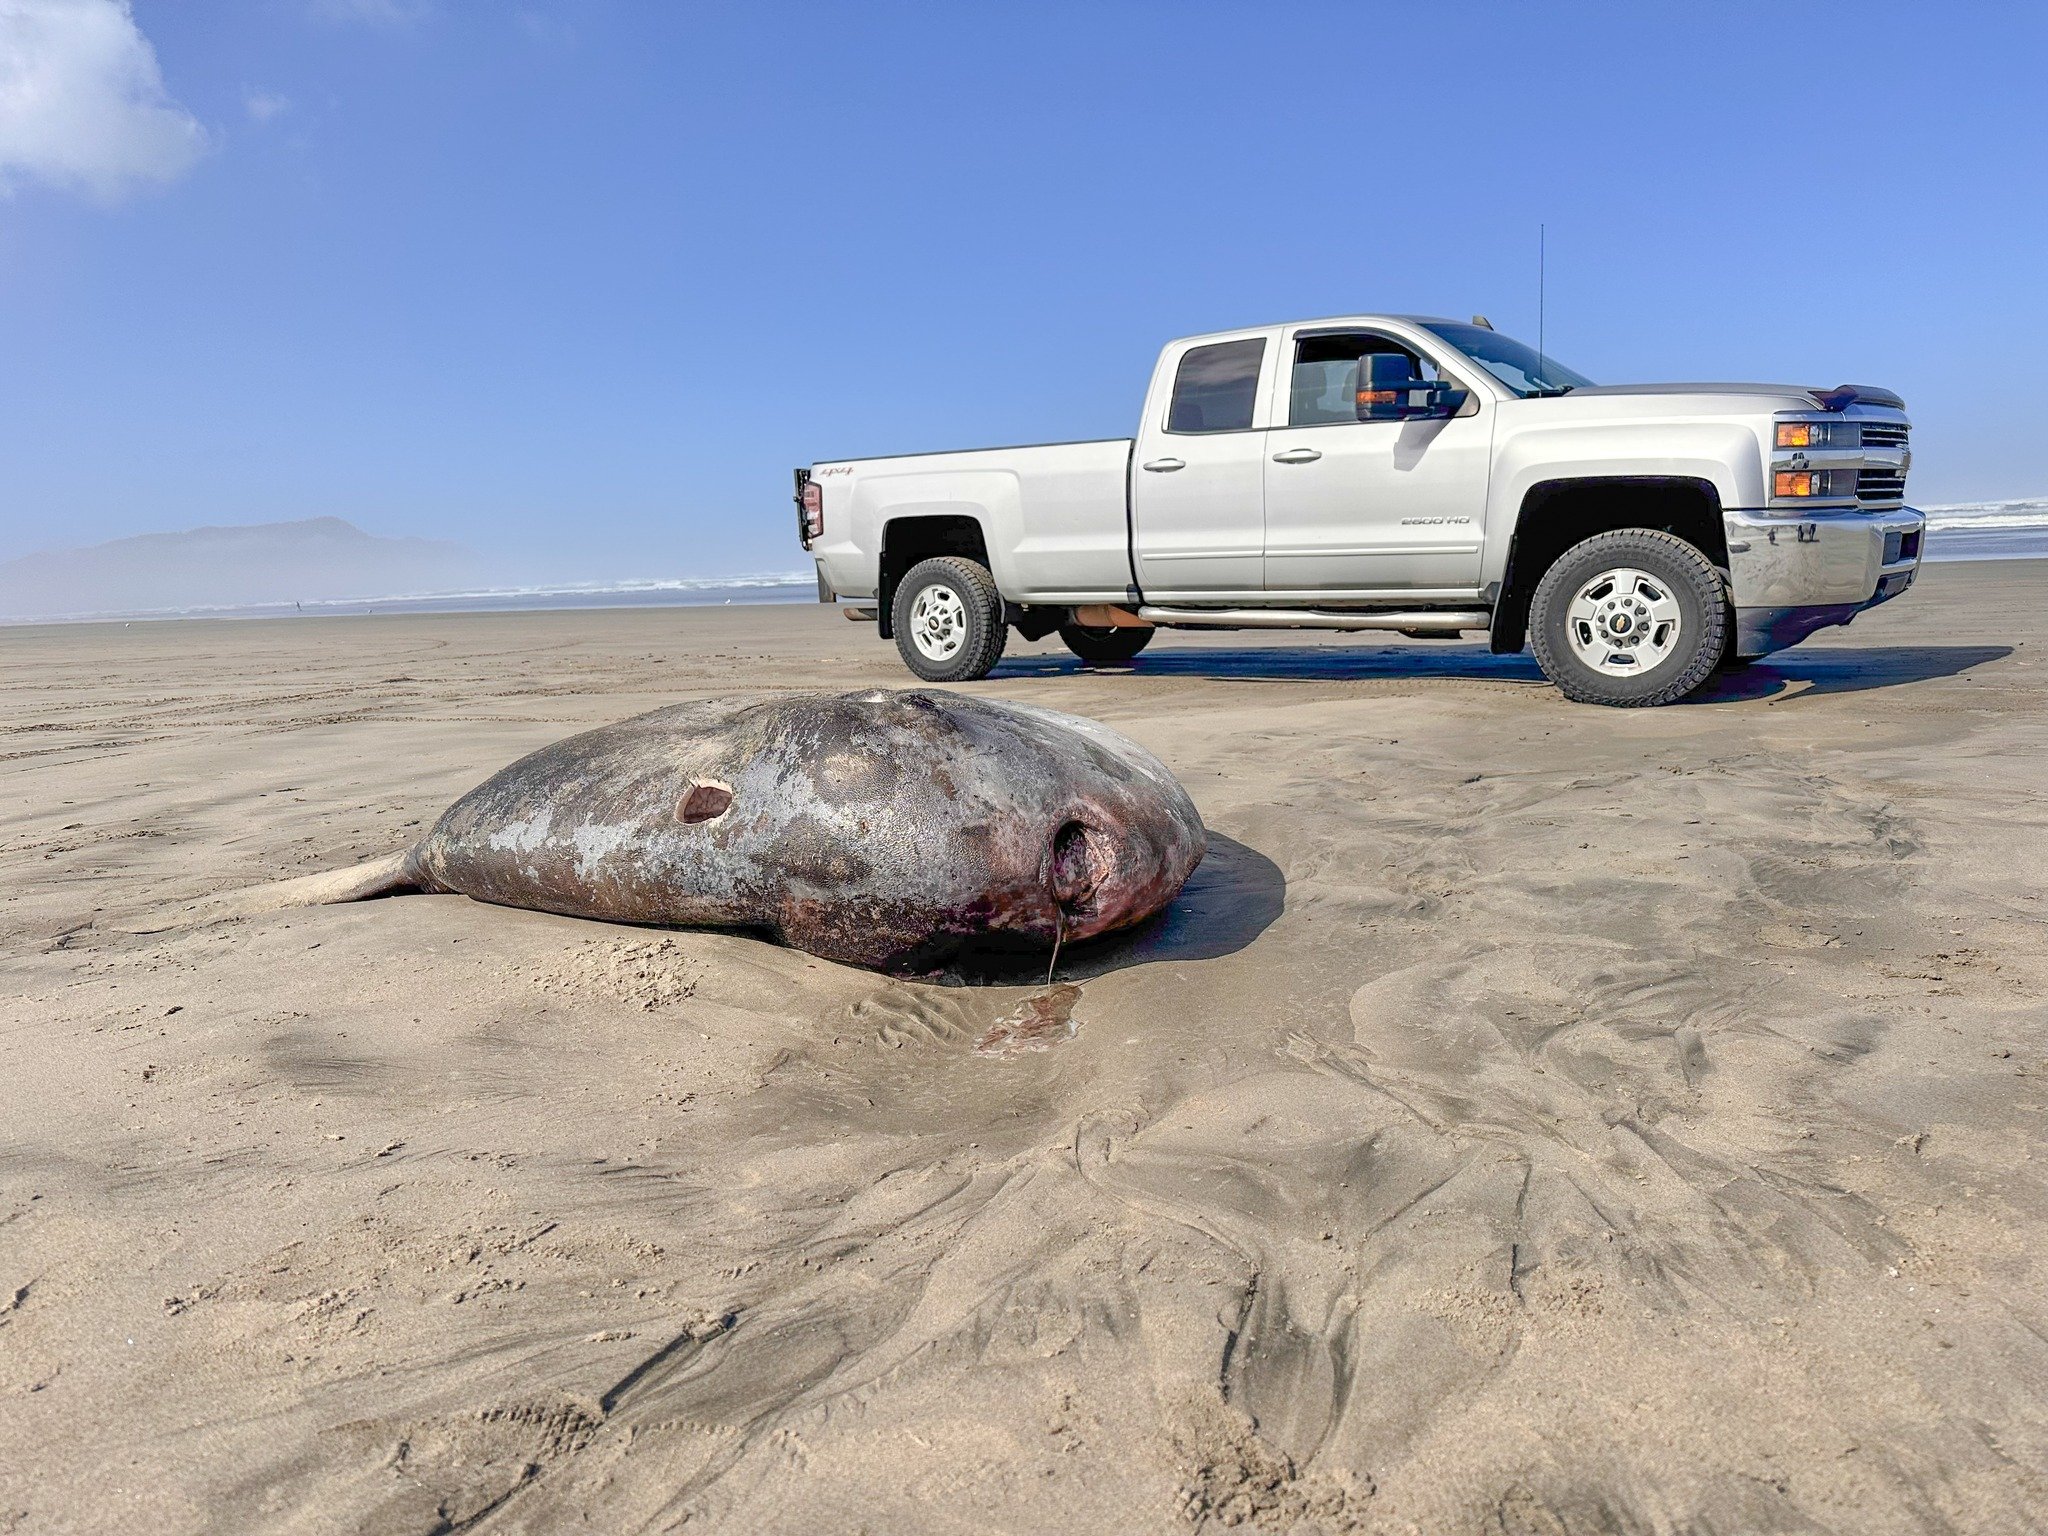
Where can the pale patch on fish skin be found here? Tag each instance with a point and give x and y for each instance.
(595, 844)
(524, 836)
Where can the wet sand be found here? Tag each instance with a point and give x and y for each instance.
(1533, 1119)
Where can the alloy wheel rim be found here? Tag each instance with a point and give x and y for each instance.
(1624, 622)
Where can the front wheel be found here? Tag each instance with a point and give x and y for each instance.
(1629, 618)
(948, 620)
(1106, 646)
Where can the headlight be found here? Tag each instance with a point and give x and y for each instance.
(1819, 434)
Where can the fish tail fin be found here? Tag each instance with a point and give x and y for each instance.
(379, 877)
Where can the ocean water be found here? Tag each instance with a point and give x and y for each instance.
(1988, 530)
(780, 587)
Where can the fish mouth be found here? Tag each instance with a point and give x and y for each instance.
(1079, 865)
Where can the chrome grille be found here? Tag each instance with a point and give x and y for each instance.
(1880, 485)
(1884, 434)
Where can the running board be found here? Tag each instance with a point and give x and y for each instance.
(1440, 620)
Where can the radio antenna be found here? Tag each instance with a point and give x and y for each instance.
(1542, 232)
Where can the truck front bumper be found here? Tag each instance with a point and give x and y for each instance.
(1790, 576)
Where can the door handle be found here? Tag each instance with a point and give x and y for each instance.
(1161, 466)
(1297, 456)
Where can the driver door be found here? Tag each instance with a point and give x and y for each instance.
(1369, 508)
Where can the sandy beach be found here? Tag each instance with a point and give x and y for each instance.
(1532, 1119)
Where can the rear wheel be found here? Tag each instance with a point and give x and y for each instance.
(1105, 646)
(1630, 618)
(948, 619)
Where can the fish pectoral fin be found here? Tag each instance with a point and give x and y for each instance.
(379, 877)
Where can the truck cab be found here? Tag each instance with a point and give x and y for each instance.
(1380, 472)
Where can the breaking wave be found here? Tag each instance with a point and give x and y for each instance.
(1989, 514)
(769, 587)
(1988, 530)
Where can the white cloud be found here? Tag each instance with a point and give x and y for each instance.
(82, 102)
(262, 106)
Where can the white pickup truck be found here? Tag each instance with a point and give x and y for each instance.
(1391, 472)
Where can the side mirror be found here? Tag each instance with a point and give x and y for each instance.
(1388, 390)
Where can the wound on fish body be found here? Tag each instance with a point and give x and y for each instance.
(705, 802)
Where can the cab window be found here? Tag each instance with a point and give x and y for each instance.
(1324, 385)
(1216, 386)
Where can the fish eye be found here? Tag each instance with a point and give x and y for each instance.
(706, 801)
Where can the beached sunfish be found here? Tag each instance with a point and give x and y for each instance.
(883, 828)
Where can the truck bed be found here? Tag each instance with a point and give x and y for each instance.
(1055, 514)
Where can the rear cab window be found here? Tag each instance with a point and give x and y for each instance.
(1216, 387)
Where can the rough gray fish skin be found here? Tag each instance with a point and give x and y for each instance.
(881, 828)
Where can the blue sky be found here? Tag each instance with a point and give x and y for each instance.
(578, 283)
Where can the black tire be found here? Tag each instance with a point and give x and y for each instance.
(1691, 645)
(1105, 647)
(960, 635)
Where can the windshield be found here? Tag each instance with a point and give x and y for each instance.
(1508, 360)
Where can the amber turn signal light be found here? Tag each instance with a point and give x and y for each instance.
(1797, 434)
(1796, 482)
